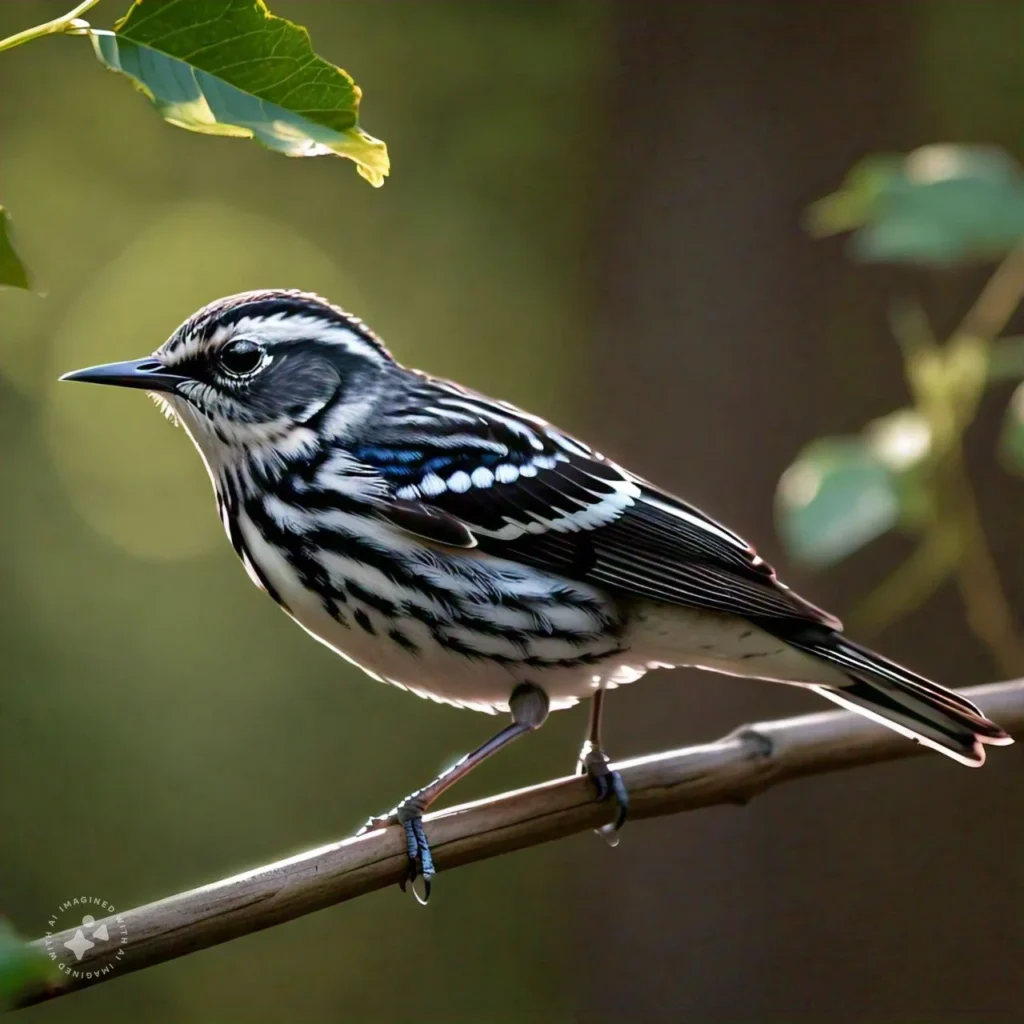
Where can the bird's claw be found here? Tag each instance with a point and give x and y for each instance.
(594, 763)
(409, 814)
(421, 863)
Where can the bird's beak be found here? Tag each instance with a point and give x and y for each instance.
(148, 374)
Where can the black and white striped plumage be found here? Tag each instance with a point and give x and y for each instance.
(458, 547)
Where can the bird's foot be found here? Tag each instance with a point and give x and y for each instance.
(409, 814)
(594, 763)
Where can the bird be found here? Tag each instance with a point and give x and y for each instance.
(469, 552)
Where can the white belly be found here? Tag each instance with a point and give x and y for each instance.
(578, 653)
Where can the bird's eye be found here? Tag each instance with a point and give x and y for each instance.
(240, 358)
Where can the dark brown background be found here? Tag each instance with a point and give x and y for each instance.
(892, 894)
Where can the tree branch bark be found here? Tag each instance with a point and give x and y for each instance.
(732, 770)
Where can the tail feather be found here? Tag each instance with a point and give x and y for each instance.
(904, 701)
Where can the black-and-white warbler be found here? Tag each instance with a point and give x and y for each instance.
(471, 553)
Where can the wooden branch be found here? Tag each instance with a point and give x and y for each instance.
(731, 770)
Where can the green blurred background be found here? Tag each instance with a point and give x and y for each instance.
(593, 211)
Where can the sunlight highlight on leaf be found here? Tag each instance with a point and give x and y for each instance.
(835, 498)
(901, 440)
(232, 68)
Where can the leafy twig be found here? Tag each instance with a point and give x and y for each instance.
(65, 23)
(984, 599)
(947, 382)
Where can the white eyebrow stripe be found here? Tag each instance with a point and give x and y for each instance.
(271, 330)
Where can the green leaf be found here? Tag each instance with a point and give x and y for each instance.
(24, 969)
(12, 271)
(938, 206)
(900, 441)
(230, 67)
(1011, 443)
(836, 497)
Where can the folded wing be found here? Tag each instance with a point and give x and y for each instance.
(527, 491)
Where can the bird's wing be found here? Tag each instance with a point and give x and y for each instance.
(524, 490)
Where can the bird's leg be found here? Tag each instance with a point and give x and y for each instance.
(529, 707)
(593, 762)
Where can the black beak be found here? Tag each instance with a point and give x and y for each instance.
(148, 374)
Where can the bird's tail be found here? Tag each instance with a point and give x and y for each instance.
(904, 701)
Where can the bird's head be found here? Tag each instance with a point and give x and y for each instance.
(258, 369)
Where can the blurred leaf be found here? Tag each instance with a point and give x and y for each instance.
(837, 496)
(938, 206)
(857, 202)
(903, 442)
(900, 441)
(12, 271)
(231, 68)
(1011, 443)
(23, 968)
